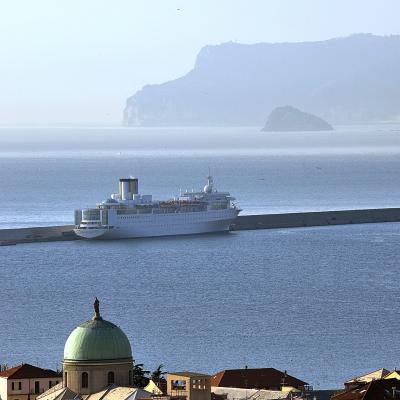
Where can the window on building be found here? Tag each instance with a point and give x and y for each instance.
(37, 387)
(53, 383)
(110, 378)
(178, 384)
(19, 385)
(65, 379)
(85, 380)
(12, 386)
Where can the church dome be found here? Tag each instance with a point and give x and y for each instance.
(97, 340)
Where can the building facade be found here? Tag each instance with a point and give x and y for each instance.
(188, 386)
(97, 364)
(26, 382)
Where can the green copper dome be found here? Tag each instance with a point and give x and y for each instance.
(97, 340)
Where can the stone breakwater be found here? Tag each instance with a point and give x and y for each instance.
(316, 218)
(37, 234)
(243, 222)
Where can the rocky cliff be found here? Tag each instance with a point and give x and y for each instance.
(345, 80)
(290, 119)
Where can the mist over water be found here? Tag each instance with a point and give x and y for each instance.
(127, 141)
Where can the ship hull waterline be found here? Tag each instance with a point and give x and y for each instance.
(142, 230)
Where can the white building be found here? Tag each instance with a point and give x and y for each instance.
(26, 382)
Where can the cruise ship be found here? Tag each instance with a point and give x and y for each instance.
(129, 214)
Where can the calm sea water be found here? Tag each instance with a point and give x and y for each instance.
(319, 302)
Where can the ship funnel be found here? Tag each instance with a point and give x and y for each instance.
(128, 187)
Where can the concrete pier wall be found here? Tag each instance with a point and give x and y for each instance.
(37, 234)
(243, 222)
(321, 218)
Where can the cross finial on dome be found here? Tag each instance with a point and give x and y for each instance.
(96, 306)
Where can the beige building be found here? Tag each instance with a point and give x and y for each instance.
(97, 354)
(26, 382)
(188, 386)
(97, 364)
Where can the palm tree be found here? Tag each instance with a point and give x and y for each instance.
(140, 378)
(158, 375)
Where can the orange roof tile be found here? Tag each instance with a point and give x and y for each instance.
(27, 371)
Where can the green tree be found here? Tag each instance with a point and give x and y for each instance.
(158, 375)
(140, 376)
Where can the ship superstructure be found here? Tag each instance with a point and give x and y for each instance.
(129, 214)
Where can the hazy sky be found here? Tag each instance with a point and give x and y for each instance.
(76, 61)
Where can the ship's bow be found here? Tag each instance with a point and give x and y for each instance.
(94, 233)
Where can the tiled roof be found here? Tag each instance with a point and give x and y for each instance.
(61, 393)
(27, 371)
(254, 378)
(249, 394)
(377, 374)
(381, 389)
(54, 391)
(110, 393)
(391, 372)
(189, 374)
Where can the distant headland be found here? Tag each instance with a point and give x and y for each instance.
(290, 119)
(235, 84)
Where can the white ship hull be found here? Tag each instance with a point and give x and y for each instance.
(153, 225)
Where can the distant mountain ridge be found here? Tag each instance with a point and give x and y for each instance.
(345, 80)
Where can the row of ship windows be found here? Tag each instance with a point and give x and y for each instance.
(149, 211)
(172, 223)
(165, 215)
